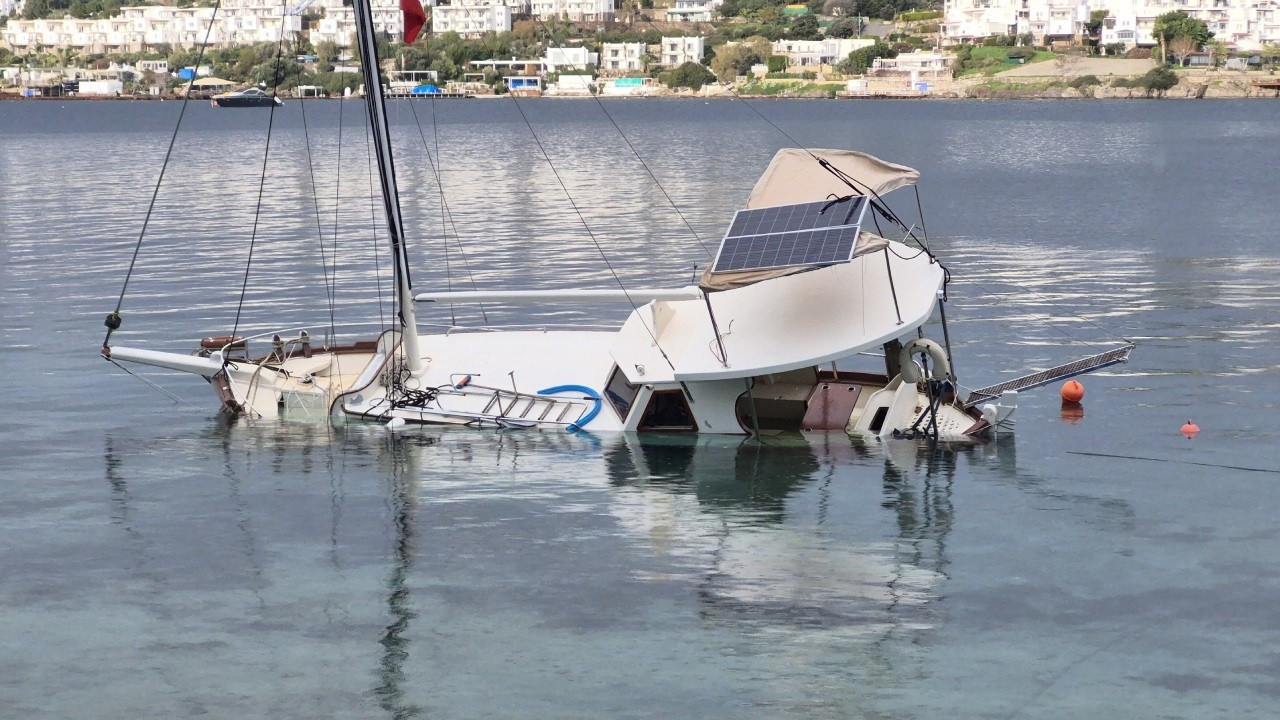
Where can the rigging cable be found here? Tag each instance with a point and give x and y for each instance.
(113, 320)
(635, 308)
(262, 180)
(446, 213)
(645, 165)
(373, 218)
(329, 282)
(879, 205)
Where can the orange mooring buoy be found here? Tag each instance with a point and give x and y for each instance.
(1190, 429)
(1072, 391)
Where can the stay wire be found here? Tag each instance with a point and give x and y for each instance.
(373, 217)
(155, 193)
(587, 227)
(155, 386)
(337, 190)
(262, 181)
(446, 212)
(315, 199)
(643, 164)
(1038, 316)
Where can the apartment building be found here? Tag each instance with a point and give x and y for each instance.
(1245, 24)
(693, 10)
(470, 21)
(237, 22)
(575, 10)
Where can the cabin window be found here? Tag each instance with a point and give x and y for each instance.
(620, 393)
(668, 411)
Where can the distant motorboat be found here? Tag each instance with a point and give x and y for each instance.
(253, 97)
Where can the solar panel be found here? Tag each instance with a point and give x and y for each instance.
(816, 233)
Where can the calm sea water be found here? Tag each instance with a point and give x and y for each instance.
(161, 561)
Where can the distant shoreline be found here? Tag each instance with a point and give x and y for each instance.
(1184, 91)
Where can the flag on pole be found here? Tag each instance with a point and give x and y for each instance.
(414, 19)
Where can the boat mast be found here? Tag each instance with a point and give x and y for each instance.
(369, 66)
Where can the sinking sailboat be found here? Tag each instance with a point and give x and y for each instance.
(799, 285)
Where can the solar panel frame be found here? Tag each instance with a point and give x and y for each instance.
(782, 236)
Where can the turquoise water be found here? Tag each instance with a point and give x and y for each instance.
(162, 561)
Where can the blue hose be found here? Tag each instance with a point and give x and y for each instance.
(591, 395)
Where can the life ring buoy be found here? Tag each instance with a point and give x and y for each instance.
(941, 369)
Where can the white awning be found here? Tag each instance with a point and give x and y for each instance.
(794, 176)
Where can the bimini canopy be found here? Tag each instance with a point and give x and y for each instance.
(794, 176)
(793, 179)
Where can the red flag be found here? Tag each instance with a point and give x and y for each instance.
(414, 19)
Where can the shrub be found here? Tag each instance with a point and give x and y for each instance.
(691, 75)
(1084, 81)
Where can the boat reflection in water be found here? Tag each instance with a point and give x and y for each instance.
(761, 523)
(758, 531)
(836, 548)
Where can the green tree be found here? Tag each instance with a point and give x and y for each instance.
(805, 27)
(1179, 24)
(734, 60)
(859, 60)
(1269, 54)
(35, 9)
(1218, 51)
(691, 75)
(845, 27)
(1093, 30)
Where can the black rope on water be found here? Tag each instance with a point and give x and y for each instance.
(114, 320)
(1065, 311)
(262, 180)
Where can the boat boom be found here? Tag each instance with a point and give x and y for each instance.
(639, 295)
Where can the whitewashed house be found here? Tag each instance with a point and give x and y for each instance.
(561, 58)
(915, 63)
(622, 57)
(679, 50)
(693, 10)
(807, 53)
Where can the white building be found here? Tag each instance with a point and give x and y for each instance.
(338, 24)
(819, 52)
(693, 10)
(575, 10)
(10, 6)
(915, 63)
(679, 50)
(622, 57)
(561, 58)
(1246, 24)
(470, 21)
(238, 22)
